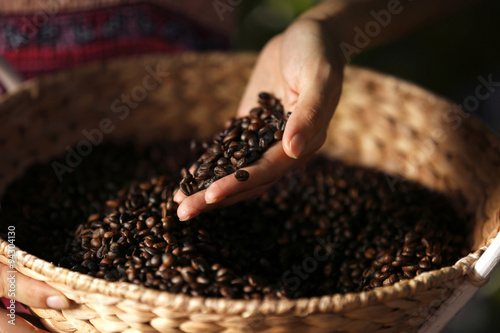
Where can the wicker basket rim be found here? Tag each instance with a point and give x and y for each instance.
(180, 302)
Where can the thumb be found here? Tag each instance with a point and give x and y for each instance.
(306, 129)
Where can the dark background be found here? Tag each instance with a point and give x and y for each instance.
(446, 57)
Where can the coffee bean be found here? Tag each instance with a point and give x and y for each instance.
(202, 280)
(222, 161)
(220, 171)
(424, 264)
(264, 95)
(177, 280)
(370, 253)
(390, 280)
(242, 162)
(186, 188)
(241, 153)
(385, 259)
(386, 268)
(151, 221)
(411, 237)
(95, 242)
(410, 268)
(241, 175)
(437, 259)
(227, 292)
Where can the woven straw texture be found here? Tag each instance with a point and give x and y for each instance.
(381, 122)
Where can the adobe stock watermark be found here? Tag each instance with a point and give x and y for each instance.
(363, 38)
(121, 107)
(223, 6)
(299, 273)
(454, 117)
(11, 279)
(31, 25)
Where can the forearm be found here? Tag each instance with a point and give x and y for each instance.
(357, 25)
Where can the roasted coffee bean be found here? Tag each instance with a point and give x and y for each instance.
(411, 268)
(242, 162)
(227, 292)
(265, 96)
(186, 188)
(151, 221)
(241, 153)
(437, 259)
(370, 253)
(200, 264)
(241, 175)
(222, 161)
(263, 144)
(220, 171)
(390, 280)
(95, 242)
(385, 259)
(247, 135)
(424, 264)
(203, 174)
(411, 237)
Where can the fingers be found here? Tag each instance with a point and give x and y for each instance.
(228, 190)
(13, 323)
(179, 196)
(306, 128)
(15, 285)
(196, 203)
(263, 77)
(313, 76)
(263, 173)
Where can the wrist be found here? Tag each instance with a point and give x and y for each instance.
(330, 31)
(331, 16)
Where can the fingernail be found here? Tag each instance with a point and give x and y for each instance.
(184, 216)
(297, 145)
(211, 199)
(57, 302)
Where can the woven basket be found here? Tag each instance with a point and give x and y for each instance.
(381, 122)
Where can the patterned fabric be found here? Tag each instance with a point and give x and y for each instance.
(39, 43)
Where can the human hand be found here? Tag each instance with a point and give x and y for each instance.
(27, 291)
(304, 69)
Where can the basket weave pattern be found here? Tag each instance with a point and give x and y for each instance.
(381, 122)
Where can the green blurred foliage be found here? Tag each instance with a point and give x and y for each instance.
(260, 20)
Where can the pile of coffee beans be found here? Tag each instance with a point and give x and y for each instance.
(43, 209)
(242, 142)
(323, 229)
